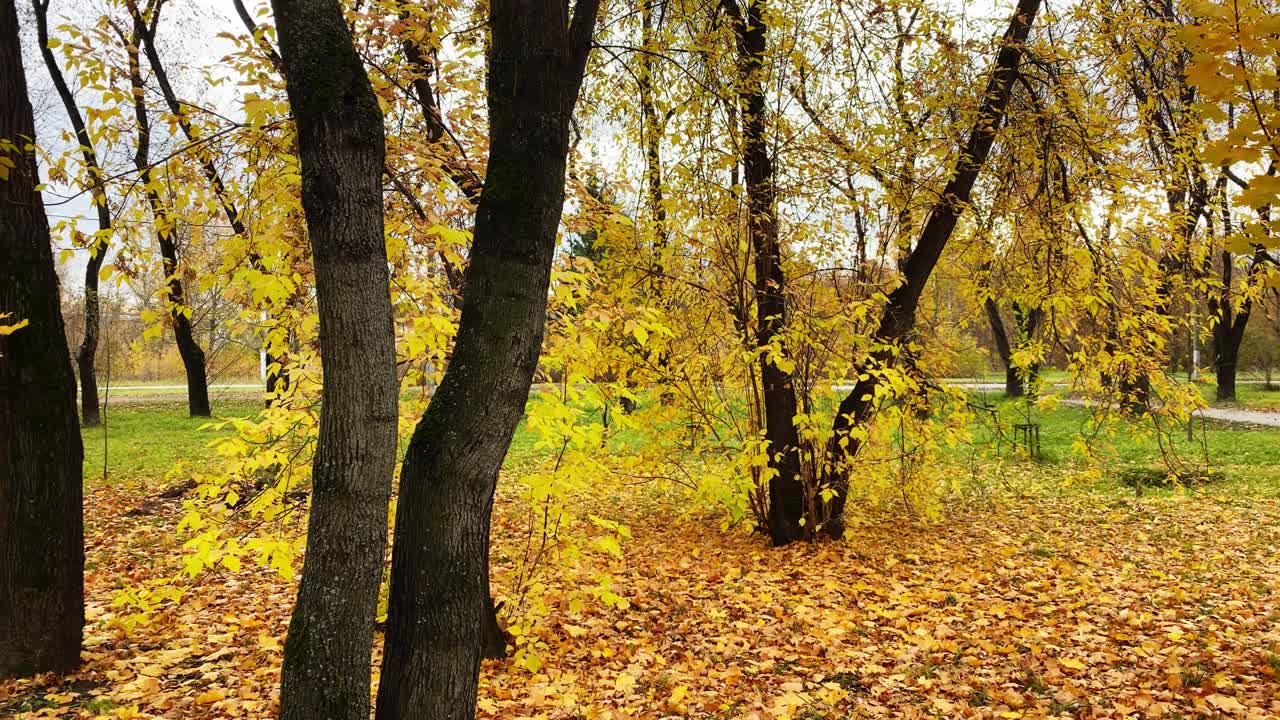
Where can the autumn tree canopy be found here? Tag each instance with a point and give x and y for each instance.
(501, 263)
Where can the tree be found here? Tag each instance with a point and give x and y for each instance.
(439, 564)
(341, 148)
(193, 356)
(787, 492)
(1018, 382)
(86, 357)
(899, 315)
(147, 20)
(41, 525)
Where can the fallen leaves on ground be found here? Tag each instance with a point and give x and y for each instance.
(1029, 607)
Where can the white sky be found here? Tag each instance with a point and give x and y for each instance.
(189, 41)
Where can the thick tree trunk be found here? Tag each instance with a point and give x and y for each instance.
(41, 522)
(787, 495)
(193, 359)
(1225, 370)
(326, 674)
(439, 571)
(1228, 336)
(494, 637)
(898, 319)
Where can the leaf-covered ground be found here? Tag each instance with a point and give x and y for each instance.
(1028, 606)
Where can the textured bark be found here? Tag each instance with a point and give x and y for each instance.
(41, 526)
(86, 356)
(439, 570)
(787, 501)
(898, 318)
(493, 636)
(326, 674)
(193, 358)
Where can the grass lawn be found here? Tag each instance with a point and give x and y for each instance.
(1249, 395)
(144, 440)
(1247, 457)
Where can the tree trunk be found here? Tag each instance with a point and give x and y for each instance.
(146, 26)
(326, 673)
(1224, 368)
(1228, 336)
(41, 522)
(898, 318)
(651, 139)
(494, 637)
(439, 572)
(193, 359)
(86, 357)
(1025, 321)
(787, 495)
(1012, 384)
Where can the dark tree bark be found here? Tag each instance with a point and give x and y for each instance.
(439, 570)
(1229, 323)
(787, 495)
(651, 136)
(41, 525)
(898, 319)
(193, 358)
(1017, 381)
(1227, 339)
(147, 21)
(326, 674)
(1229, 326)
(86, 356)
(492, 633)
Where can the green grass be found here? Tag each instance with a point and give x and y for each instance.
(1248, 457)
(1249, 395)
(146, 440)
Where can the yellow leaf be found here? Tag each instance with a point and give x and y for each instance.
(208, 697)
(1071, 663)
(10, 329)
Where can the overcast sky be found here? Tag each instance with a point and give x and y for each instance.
(189, 44)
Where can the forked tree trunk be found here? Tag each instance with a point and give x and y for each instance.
(1017, 381)
(494, 638)
(439, 572)
(787, 500)
(326, 673)
(898, 320)
(41, 522)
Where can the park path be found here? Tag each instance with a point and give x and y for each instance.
(1221, 414)
(1225, 414)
